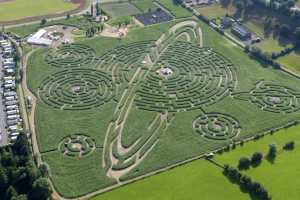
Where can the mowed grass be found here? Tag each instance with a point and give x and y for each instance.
(175, 9)
(215, 10)
(120, 9)
(197, 180)
(18, 9)
(145, 5)
(281, 177)
(291, 61)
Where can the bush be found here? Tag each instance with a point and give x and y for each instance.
(289, 146)
(272, 151)
(256, 158)
(244, 163)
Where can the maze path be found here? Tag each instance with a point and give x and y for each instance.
(77, 89)
(272, 98)
(200, 77)
(77, 145)
(73, 55)
(216, 126)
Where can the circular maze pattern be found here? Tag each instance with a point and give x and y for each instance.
(77, 89)
(216, 126)
(199, 77)
(73, 55)
(77, 145)
(276, 98)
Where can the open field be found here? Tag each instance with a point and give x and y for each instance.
(132, 103)
(120, 9)
(215, 11)
(197, 179)
(291, 61)
(177, 10)
(19, 9)
(279, 178)
(145, 5)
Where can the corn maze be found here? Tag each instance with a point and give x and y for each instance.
(216, 126)
(77, 146)
(77, 89)
(272, 98)
(74, 55)
(173, 77)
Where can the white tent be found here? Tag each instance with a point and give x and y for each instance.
(38, 39)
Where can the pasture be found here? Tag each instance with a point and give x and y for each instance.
(278, 177)
(175, 9)
(19, 9)
(216, 10)
(291, 61)
(120, 9)
(110, 110)
(145, 5)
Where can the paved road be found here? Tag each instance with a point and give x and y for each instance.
(3, 132)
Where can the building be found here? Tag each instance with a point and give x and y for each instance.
(227, 22)
(38, 39)
(198, 2)
(241, 31)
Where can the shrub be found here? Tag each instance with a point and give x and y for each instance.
(256, 158)
(272, 151)
(244, 163)
(289, 146)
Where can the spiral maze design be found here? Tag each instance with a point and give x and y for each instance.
(77, 146)
(272, 98)
(73, 55)
(198, 77)
(77, 89)
(216, 126)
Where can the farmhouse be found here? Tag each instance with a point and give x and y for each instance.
(38, 39)
(241, 32)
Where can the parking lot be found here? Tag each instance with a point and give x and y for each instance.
(10, 117)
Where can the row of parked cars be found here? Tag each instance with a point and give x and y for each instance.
(10, 98)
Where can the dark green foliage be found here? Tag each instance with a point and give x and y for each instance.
(256, 158)
(272, 151)
(18, 172)
(41, 189)
(244, 163)
(289, 146)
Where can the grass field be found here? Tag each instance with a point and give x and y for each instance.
(199, 179)
(215, 11)
(145, 5)
(129, 102)
(18, 9)
(120, 9)
(177, 10)
(291, 61)
(278, 177)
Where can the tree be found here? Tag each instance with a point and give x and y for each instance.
(21, 146)
(44, 169)
(289, 146)
(272, 151)
(3, 180)
(297, 35)
(284, 30)
(43, 21)
(20, 197)
(41, 189)
(256, 158)
(68, 16)
(11, 193)
(244, 163)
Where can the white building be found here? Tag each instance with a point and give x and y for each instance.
(38, 39)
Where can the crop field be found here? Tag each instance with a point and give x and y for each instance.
(19, 9)
(291, 61)
(111, 110)
(285, 167)
(120, 9)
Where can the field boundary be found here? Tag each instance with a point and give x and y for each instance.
(83, 4)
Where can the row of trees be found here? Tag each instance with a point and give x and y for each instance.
(255, 189)
(20, 179)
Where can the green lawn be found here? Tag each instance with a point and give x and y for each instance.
(120, 9)
(177, 10)
(291, 61)
(215, 11)
(197, 180)
(279, 177)
(145, 5)
(18, 9)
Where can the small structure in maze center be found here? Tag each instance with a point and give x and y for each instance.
(76, 89)
(165, 71)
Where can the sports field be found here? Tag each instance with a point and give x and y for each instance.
(19, 9)
(111, 110)
(279, 177)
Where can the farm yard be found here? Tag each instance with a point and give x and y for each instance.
(111, 110)
(24, 9)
